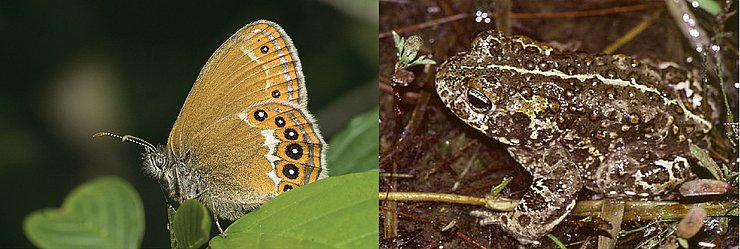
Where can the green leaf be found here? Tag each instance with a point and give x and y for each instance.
(191, 225)
(683, 243)
(710, 6)
(258, 239)
(355, 149)
(706, 161)
(103, 213)
(423, 61)
(336, 212)
(398, 40)
(556, 241)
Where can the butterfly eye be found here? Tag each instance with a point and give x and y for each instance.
(260, 115)
(276, 94)
(264, 49)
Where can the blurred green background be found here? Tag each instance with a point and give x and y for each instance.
(72, 68)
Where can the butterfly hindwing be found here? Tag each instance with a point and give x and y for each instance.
(296, 148)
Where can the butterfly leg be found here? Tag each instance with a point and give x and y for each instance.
(218, 225)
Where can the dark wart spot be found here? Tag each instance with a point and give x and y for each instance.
(611, 92)
(276, 94)
(633, 76)
(478, 100)
(517, 47)
(280, 122)
(290, 134)
(260, 115)
(264, 49)
(520, 118)
(570, 69)
(495, 47)
(595, 115)
(526, 92)
(294, 151)
(655, 175)
(677, 108)
(600, 61)
(545, 65)
(524, 220)
(290, 171)
(554, 105)
(611, 74)
(529, 65)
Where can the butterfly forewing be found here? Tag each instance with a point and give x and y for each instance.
(257, 63)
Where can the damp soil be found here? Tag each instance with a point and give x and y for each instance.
(426, 148)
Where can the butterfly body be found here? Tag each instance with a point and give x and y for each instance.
(244, 134)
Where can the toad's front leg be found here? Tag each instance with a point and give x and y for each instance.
(549, 199)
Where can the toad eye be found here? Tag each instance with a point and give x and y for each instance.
(478, 100)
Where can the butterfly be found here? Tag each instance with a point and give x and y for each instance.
(244, 134)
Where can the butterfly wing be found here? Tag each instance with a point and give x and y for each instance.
(295, 146)
(244, 130)
(252, 156)
(257, 63)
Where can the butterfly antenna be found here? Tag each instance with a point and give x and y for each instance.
(128, 138)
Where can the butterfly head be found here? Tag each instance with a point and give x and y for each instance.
(158, 161)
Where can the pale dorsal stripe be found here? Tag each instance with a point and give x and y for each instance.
(615, 82)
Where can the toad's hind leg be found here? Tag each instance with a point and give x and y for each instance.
(549, 199)
(637, 171)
